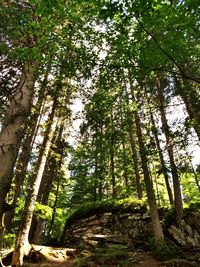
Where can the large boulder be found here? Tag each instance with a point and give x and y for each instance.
(187, 233)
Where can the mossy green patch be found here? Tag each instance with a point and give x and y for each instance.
(93, 208)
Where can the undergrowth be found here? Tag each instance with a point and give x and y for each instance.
(107, 256)
(163, 250)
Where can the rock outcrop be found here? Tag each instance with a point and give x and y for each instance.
(132, 227)
(114, 226)
(187, 233)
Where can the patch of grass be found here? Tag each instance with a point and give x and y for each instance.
(117, 255)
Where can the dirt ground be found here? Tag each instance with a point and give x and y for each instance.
(144, 260)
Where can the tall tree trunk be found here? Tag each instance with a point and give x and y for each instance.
(157, 228)
(134, 150)
(125, 173)
(101, 162)
(24, 157)
(126, 182)
(95, 174)
(22, 246)
(12, 130)
(55, 203)
(42, 197)
(135, 162)
(46, 184)
(112, 162)
(169, 143)
(164, 169)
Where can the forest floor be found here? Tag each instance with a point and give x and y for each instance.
(113, 256)
(143, 259)
(42, 256)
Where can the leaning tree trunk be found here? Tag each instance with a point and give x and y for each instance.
(12, 130)
(38, 225)
(23, 160)
(170, 150)
(47, 180)
(43, 194)
(164, 168)
(22, 246)
(26, 148)
(157, 228)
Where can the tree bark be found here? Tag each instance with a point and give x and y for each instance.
(164, 169)
(125, 173)
(169, 143)
(46, 184)
(22, 246)
(24, 157)
(134, 150)
(12, 130)
(135, 163)
(157, 228)
(112, 162)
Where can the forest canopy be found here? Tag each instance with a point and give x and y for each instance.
(99, 101)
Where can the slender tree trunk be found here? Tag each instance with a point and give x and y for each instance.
(38, 224)
(164, 169)
(112, 162)
(22, 246)
(55, 204)
(134, 151)
(125, 174)
(157, 228)
(42, 197)
(95, 175)
(46, 184)
(125, 165)
(169, 142)
(101, 156)
(12, 131)
(191, 98)
(135, 162)
(155, 181)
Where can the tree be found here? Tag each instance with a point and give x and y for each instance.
(22, 246)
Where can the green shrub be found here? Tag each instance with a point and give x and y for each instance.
(169, 217)
(8, 240)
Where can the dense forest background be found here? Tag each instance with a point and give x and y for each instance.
(131, 69)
